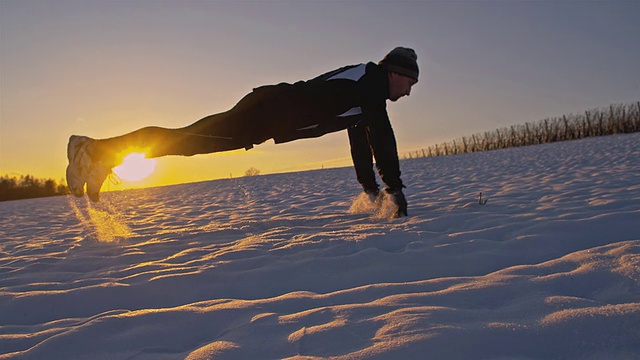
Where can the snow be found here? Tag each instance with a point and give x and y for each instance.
(297, 266)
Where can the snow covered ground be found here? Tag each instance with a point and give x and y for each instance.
(294, 266)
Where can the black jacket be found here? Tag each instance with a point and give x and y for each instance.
(354, 98)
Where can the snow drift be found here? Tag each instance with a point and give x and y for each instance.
(284, 266)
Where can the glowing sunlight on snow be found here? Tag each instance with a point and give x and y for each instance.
(135, 167)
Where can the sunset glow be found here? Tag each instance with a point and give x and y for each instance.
(127, 65)
(135, 167)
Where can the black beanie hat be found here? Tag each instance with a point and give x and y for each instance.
(403, 61)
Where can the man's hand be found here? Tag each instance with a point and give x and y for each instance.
(398, 198)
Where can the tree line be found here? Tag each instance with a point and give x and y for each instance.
(614, 119)
(27, 187)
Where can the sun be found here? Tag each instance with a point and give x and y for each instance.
(135, 167)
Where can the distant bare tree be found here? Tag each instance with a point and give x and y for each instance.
(252, 172)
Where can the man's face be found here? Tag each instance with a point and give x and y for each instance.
(399, 86)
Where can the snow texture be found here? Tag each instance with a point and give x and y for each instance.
(297, 266)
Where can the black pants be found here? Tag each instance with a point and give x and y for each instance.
(252, 120)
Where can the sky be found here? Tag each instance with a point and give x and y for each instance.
(105, 68)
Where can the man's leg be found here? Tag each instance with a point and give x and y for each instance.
(208, 135)
(249, 122)
(91, 161)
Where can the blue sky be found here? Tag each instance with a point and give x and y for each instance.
(102, 68)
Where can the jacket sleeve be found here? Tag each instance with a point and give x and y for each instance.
(362, 158)
(383, 144)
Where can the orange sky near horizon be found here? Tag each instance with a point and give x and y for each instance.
(102, 69)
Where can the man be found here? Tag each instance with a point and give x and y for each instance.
(353, 98)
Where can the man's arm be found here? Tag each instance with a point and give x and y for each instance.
(383, 144)
(362, 158)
